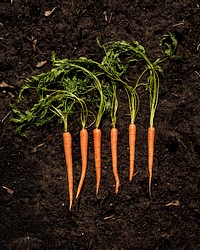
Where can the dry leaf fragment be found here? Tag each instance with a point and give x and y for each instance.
(34, 42)
(49, 12)
(6, 116)
(10, 191)
(40, 64)
(173, 203)
(34, 150)
(108, 217)
(5, 87)
(11, 94)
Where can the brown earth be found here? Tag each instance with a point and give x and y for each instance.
(36, 215)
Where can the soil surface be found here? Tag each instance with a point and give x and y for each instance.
(33, 185)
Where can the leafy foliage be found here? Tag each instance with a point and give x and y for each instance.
(170, 42)
(71, 86)
(67, 83)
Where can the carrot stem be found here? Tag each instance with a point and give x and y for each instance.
(67, 139)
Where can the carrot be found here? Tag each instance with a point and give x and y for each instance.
(151, 136)
(97, 156)
(84, 155)
(114, 138)
(67, 139)
(132, 139)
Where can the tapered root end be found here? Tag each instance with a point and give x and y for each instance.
(70, 206)
(150, 178)
(77, 195)
(117, 188)
(97, 190)
(71, 198)
(78, 192)
(131, 173)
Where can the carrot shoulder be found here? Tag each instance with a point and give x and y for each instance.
(114, 139)
(151, 137)
(67, 139)
(84, 156)
(97, 156)
(132, 140)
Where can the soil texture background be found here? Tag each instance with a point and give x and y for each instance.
(33, 181)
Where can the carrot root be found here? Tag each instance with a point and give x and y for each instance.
(67, 139)
(97, 156)
(114, 139)
(132, 140)
(84, 156)
(151, 137)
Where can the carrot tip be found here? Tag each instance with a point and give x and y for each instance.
(70, 206)
(117, 187)
(149, 188)
(97, 191)
(78, 192)
(116, 190)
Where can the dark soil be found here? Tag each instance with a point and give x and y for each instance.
(36, 215)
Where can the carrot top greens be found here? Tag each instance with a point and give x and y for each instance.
(121, 55)
(71, 86)
(58, 92)
(115, 64)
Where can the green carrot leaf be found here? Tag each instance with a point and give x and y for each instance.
(170, 44)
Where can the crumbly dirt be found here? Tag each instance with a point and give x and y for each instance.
(36, 215)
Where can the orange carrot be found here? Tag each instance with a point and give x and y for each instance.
(151, 136)
(67, 139)
(132, 139)
(97, 156)
(114, 138)
(84, 155)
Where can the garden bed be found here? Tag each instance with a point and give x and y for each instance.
(34, 194)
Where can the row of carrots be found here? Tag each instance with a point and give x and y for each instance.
(97, 156)
(74, 85)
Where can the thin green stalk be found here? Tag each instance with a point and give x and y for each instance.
(114, 105)
(99, 88)
(115, 69)
(153, 87)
